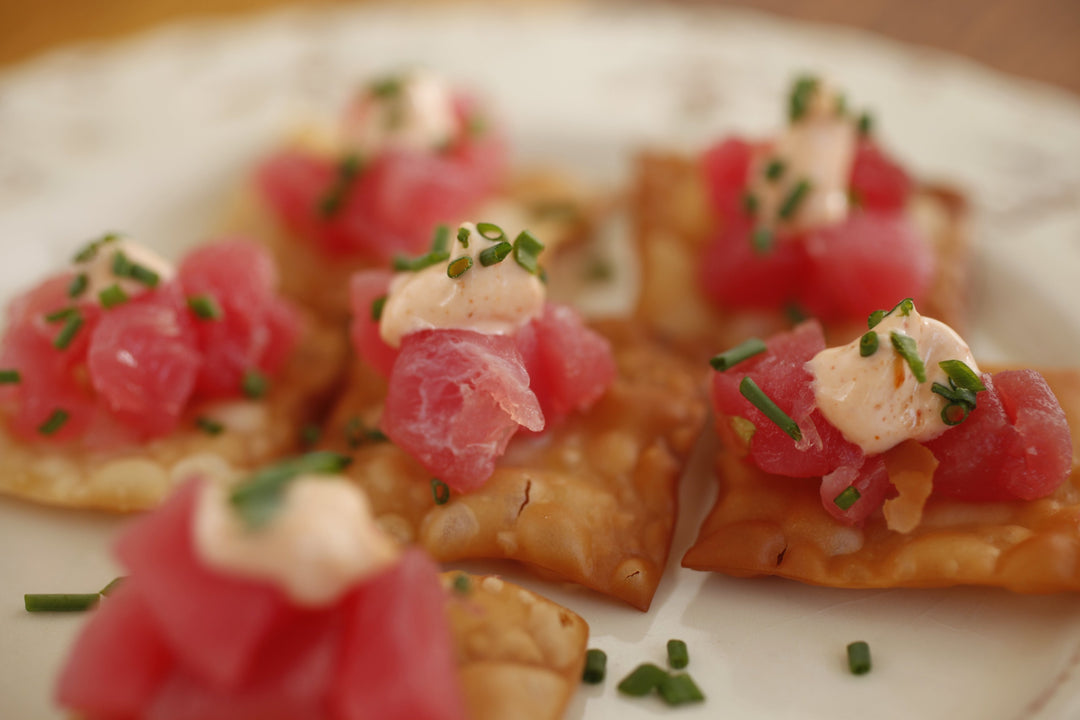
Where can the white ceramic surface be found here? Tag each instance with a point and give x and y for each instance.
(150, 135)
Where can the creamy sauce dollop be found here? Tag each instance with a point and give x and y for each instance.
(497, 299)
(322, 542)
(876, 401)
(414, 112)
(100, 274)
(818, 147)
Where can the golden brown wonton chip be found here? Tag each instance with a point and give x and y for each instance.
(592, 501)
(130, 478)
(551, 205)
(770, 525)
(673, 224)
(520, 655)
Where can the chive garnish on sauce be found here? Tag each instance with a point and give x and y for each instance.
(743, 351)
(440, 240)
(458, 266)
(463, 234)
(595, 666)
(858, 654)
(490, 231)
(440, 491)
(258, 498)
(775, 169)
(90, 250)
(905, 346)
(406, 264)
(527, 251)
(905, 307)
(868, 343)
(801, 93)
(78, 285)
(112, 296)
(495, 254)
(960, 393)
(771, 410)
(794, 199)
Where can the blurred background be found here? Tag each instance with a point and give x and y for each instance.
(1036, 39)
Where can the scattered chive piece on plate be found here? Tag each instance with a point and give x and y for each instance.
(757, 397)
(254, 384)
(54, 422)
(642, 680)
(60, 602)
(743, 351)
(209, 425)
(868, 344)
(858, 656)
(679, 689)
(440, 491)
(847, 497)
(905, 346)
(595, 666)
(678, 655)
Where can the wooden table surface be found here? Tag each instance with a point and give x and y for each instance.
(1032, 38)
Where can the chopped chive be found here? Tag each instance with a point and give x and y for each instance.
(858, 657)
(377, 307)
(10, 377)
(205, 307)
(67, 333)
(113, 586)
(762, 240)
(258, 497)
(78, 285)
(254, 384)
(743, 351)
(847, 497)
(795, 313)
(90, 250)
(678, 655)
(458, 266)
(463, 234)
(476, 125)
(794, 199)
(495, 254)
(642, 680)
(866, 124)
(954, 393)
(354, 432)
(868, 344)
(144, 275)
(62, 314)
(310, 434)
(762, 402)
(406, 264)
(490, 231)
(775, 169)
(54, 422)
(440, 240)
(462, 585)
(905, 346)
(60, 602)
(801, 93)
(387, 87)
(209, 425)
(955, 413)
(595, 666)
(750, 204)
(347, 171)
(112, 296)
(527, 251)
(440, 491)
(905, 307)
(678, 689)
(120, 264)
(962, 375)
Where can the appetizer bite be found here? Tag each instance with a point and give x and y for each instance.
(488, 422)
(120, 368)
(892, 461)
(753, 236)
(278, 596)
(410, 152)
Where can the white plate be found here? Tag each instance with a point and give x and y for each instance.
(150, 135)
